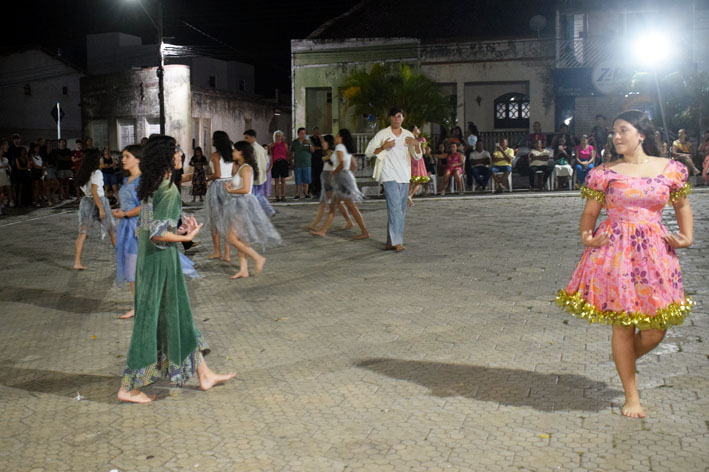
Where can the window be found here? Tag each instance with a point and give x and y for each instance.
(28, 89)
(212, 81)
(65, 90)
(512, 111)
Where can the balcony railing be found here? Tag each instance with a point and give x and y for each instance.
(583, 52)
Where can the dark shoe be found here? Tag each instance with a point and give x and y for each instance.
(389, 247)
(297, 197)
(307, 196)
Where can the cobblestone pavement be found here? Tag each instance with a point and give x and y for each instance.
(449, 356)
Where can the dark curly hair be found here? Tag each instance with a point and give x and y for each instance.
(223, 144)
(642, 123)
(157, 162)
(248, 152)
(347, 140)
(89, 164)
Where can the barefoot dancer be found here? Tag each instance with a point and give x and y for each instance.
(94, 209)
(165, 341)
(345, 184)
(127, 216)
(216, 194)
(327, 190)
(419, 175)
(629, 275)
(245, 222)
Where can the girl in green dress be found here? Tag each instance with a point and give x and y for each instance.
(165, 341)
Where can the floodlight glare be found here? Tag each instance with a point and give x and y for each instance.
(651, 48)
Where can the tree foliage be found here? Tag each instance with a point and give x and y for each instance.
(374, 92)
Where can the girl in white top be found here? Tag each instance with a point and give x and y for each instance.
(94, 208)
(223, 165)
(328, 189)
(244, 222)
(346, 190)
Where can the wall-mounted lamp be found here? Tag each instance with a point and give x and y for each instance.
(276, 112)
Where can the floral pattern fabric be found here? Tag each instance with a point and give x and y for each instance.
(636, 276)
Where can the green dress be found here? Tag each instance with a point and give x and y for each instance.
(165, 341)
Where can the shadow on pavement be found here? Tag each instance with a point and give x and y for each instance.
(47, 299)
(99, 388)
(511, 387)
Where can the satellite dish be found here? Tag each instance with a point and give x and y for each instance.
(537, 23)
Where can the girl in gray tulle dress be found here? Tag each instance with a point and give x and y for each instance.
(243, 221)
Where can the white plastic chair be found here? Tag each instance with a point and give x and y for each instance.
(555, 174)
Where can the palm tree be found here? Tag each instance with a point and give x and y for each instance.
(375, 92)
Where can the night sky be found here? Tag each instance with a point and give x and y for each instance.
(255, 32)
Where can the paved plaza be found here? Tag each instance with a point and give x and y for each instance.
(449, 356)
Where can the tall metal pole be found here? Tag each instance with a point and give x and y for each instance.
(662, 108)
(161, 71)
(59, 121)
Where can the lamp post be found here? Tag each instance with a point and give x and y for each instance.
(161, 61)
(650, 50)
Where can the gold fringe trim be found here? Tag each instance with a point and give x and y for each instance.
(587, 192)
(681, 193)
(671, 315)
(420, 179)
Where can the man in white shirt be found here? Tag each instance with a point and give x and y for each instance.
(261, 159)
(480, 161)
(394, 146)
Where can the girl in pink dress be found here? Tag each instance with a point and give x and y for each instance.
(629, 275)
(418, 168)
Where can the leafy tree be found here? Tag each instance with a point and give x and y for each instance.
(375, 92)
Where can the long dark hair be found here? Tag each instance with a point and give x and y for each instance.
(330, 142)
(642, 123)
(347, 140)
(89, 164)
(223, 144)
(157, 161)
(247, 151)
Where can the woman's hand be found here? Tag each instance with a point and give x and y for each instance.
(101, 214)
(589, 240)
(118, 213)
(193, 232)
(677, 240)
(227, 185)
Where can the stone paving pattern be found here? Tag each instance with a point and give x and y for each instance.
(449, 356)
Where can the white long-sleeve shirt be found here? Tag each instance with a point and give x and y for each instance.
(393, 164)
(261, 159)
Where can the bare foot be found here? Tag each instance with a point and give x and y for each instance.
(225, 258)
(361, 236)
(80, 267)
(259, 265)
(134, 396)
(309, 228)
(347, 226)
(318, 233)
(409, 202)
(240, 275)
(215, 255)
(128, 314)
(210, 379)
(632, 409)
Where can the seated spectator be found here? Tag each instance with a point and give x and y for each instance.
(430, 163)
(659, 142)
(480, 161)
(585, 156)
(454, 167)
(682, 151)
(562, 166)
(568, 139)
(539, 162)
(502, 164)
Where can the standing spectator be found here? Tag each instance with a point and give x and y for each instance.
(393, 148)
(659, 142)
(568, 139)
(535, 136)
(316, 162)
(279, 165)
(76, 157)
(23, 178)
(456, 137)
(480, 161)
(261, 159)
(199, 174)
(301, 152)
(12, 154)
(51, 182)
(36, 166)
(473, 135)
(600, 132)
(608, 153)
(502, 164)
(110, 180)
(5, 187)
(89, 144)
(42, 147)
(585, 158)
(64, 172)
(539, 162)
(144, 141)
(682, 151)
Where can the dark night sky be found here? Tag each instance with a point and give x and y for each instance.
(257, 32)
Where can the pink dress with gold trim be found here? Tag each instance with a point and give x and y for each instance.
(418, 167)
(635, 279)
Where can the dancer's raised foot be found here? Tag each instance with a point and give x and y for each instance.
(134, 396)
(363, 235)
(259, 262)
(215, 255)
(128, 314)
(632, 409)
(80, 267)
(347, 226)
(209, 379)
(240, 275)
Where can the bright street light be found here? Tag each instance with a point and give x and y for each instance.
(651, 50)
